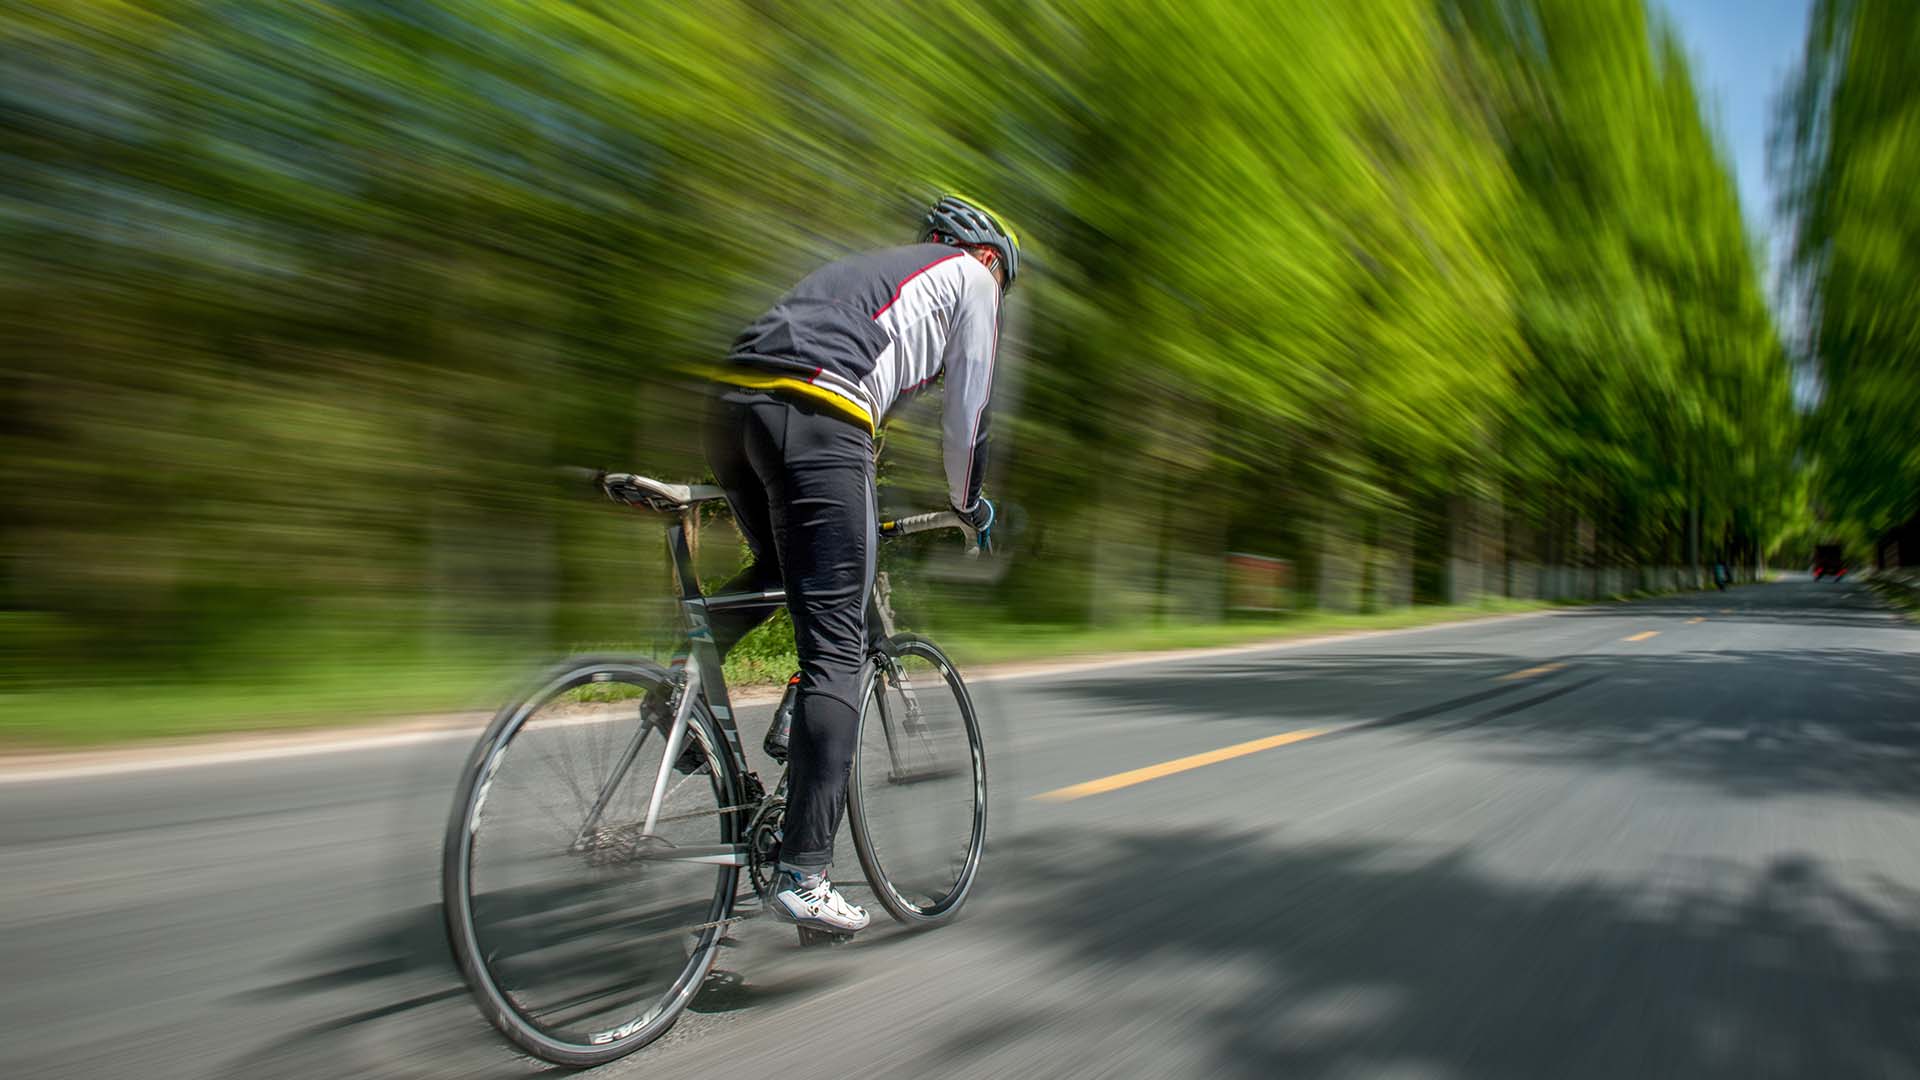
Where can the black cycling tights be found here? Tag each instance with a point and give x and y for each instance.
(800, 483)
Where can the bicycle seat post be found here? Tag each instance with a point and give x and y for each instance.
(883, 604)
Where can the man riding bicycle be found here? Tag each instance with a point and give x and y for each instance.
(805, 388)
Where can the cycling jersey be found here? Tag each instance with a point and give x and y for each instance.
(860, 333)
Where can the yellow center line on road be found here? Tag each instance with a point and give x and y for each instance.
(1177, 765)
(1696, 619)
(1529, 672)
(1641, 636)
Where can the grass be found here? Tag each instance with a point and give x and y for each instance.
(1002, 643)
(118, 712)
(1900, 590)
(344, 693)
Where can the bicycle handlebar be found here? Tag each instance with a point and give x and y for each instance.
(939, 519)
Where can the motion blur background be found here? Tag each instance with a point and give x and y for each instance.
(1437, 301)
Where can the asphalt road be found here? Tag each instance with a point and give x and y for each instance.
(1673, 838)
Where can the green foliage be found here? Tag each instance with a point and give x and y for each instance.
(765, 655)
(1852, 158)
(304, 296)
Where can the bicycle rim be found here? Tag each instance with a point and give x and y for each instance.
(582, 937)
(918, 797)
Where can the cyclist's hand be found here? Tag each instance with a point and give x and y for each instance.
(978, 519)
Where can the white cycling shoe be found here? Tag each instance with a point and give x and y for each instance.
(813, 902)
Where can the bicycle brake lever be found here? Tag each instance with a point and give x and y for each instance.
(974, 540)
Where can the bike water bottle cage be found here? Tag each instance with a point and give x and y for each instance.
(780, 730)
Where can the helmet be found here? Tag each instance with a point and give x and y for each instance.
(957, 220)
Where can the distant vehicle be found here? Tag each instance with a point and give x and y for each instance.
(1828, 562)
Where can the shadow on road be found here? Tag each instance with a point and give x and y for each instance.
(1816, 605)
(399, 1007)
(1361, 961)
(1758, 723)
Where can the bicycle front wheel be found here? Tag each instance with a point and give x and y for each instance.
(917, 803)
(582, 934)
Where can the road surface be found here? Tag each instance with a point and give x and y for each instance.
(1671, 838)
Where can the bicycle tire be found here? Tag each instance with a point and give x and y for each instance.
(480, 958)
(930, 899)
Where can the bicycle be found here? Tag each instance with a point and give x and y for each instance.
(646, 856)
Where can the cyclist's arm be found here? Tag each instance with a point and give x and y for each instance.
(972, 342)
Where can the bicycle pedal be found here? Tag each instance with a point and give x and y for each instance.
(810, 938)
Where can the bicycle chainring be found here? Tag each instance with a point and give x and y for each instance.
(763, 844)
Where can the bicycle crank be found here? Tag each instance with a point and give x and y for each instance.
(763, 845)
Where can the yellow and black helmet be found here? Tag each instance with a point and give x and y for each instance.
(958, 220)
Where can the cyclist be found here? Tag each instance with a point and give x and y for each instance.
(805, 389)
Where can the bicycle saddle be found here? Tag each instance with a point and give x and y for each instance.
(658, 494)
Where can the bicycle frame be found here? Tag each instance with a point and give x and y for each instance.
(703, 659)
(489, 914)
(702, 671)
(702, 674)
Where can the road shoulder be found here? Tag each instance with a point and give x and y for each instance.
(199, 751)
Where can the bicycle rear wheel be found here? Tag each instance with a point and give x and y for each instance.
(581, 936)
(917, 803)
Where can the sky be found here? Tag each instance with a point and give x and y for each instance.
(1742, 52)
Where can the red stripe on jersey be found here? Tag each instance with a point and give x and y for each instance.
(903, 281)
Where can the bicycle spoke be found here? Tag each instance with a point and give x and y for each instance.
(591, 934)
(920, 825)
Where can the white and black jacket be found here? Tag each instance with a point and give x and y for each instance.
(860, 333)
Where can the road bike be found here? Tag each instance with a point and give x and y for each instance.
(588, 882)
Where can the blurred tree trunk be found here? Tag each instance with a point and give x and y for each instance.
(1125, 549)
(1337, 566)
(1393, 580)
(1464, 547)
(1693, 539)
(1493, 551)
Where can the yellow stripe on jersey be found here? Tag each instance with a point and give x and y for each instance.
(847, 409)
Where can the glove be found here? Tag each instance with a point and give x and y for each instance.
(978, 519)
